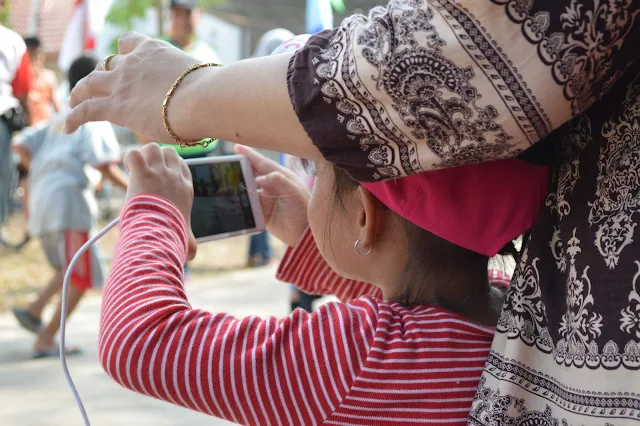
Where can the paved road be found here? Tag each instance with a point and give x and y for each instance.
(34, 392)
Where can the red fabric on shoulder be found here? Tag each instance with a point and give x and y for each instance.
(23, 80)
(480, 207)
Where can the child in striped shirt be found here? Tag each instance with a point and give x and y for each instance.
(408, 348)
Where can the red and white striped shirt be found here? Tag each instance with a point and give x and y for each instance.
(368, 362)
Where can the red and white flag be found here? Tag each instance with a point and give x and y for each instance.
(87, 20)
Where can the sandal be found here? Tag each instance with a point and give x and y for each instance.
(27, 321)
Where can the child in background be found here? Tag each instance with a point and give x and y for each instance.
(64, 172)
(43, 100)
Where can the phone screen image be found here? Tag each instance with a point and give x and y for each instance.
(221, 202)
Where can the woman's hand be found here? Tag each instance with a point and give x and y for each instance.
(131, 92)
(283, 196)
(161, 172)
(245, 102)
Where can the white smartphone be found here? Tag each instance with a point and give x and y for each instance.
(225, 202)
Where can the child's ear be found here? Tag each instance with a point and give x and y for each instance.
(370, 218)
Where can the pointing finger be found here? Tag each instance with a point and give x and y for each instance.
(95, 85)
(89, 110)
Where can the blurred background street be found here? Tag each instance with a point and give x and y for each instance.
(234, 275)
(247, 292)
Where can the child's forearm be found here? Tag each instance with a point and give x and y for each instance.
(153, 342)
(24, 154)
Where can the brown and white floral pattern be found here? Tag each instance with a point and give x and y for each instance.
(630, 315)
(424, 84)
(434, 98)
(558, 404)
(618, 182)
(594, 294)
(579, 325)
(526, 317)
(493, 408)
(568, 173)
(580, 53)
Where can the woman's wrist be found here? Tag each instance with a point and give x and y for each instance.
(188, 103)
(246, 102)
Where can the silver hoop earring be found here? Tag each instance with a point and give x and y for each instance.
(355, 247)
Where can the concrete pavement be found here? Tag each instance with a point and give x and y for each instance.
(34, 392)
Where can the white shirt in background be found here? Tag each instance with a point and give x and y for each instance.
(62, 175)
(12, 49)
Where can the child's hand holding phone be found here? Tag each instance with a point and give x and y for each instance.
(161, 171)
(283, 196)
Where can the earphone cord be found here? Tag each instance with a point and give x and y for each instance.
(63, 318)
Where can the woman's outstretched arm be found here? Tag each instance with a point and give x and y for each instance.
(245, 102)
(418, 85)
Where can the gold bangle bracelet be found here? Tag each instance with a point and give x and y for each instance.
(202, 142)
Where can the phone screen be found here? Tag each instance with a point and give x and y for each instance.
(221, 203)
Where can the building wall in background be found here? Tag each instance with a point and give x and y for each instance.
(52, 18)
(226, 38)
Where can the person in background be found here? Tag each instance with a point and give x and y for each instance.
(185, 17)
(260, 251)
(15, 84)
(271, 41)
(43, 101)
(64, 208)
(300, 299)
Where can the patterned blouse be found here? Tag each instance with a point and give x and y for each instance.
(425, 84)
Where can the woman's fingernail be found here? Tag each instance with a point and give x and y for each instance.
(261, 179)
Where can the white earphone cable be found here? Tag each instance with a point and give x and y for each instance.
(63, 318)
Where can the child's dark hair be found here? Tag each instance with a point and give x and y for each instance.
(429, 257)
(80, 68)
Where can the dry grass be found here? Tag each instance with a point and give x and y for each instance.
(23, 273)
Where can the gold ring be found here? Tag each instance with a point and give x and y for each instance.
(105, 62)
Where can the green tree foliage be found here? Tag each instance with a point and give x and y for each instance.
(4, 13)
(123, 13)
(338, 6)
